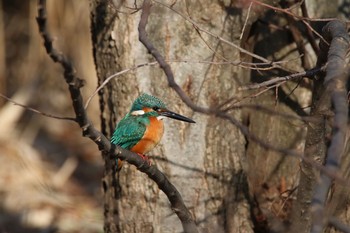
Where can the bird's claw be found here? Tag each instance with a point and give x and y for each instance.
(145, 158)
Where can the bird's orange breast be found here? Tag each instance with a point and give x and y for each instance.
(151, 138)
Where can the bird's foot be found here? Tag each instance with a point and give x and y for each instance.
(145, 157)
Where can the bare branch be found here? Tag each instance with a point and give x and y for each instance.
(271, 112)
(35, 110)
(108, 79)
(302, 18)
(246, 20)
(307, 73)
(309, 33)
(339, 225)
(335, 82)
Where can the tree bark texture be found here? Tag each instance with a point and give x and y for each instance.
(275, 180)
(317, 139)
(103, 15)
(272, 175)
(203, 160)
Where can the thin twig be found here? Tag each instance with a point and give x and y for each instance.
(307, 73)
(303, 19)
(287, 11)
(248, 65)
(261, 66)
(271, 112)
(242, 50)
(35, 110)
(246, 20)
(309, 33)
(108, 79)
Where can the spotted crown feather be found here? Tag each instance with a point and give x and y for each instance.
(146, 100)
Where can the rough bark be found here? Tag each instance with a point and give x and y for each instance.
(103, 14)
(274, 179)
(203, 160)
(272, 176)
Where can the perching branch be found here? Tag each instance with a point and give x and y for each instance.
(74, 85)
(335, 81)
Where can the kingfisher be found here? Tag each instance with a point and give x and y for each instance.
(142, 127)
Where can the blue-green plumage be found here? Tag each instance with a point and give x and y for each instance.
(142, 128)
(131, 128)
(149, 101)
(128, 132)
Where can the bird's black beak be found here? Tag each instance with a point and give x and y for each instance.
(175, 116)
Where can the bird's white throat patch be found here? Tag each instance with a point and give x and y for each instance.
(138, 113)
(160, 118)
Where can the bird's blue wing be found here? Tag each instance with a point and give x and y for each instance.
(128, 132)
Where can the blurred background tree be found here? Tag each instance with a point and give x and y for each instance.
(50, 176)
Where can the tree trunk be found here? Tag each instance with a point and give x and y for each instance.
(203, 160)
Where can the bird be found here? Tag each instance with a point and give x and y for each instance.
(142, 127)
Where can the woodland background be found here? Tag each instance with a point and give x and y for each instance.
(50, 176)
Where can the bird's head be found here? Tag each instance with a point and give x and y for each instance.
(148, 105)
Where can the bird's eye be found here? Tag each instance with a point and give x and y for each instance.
(156, 109)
